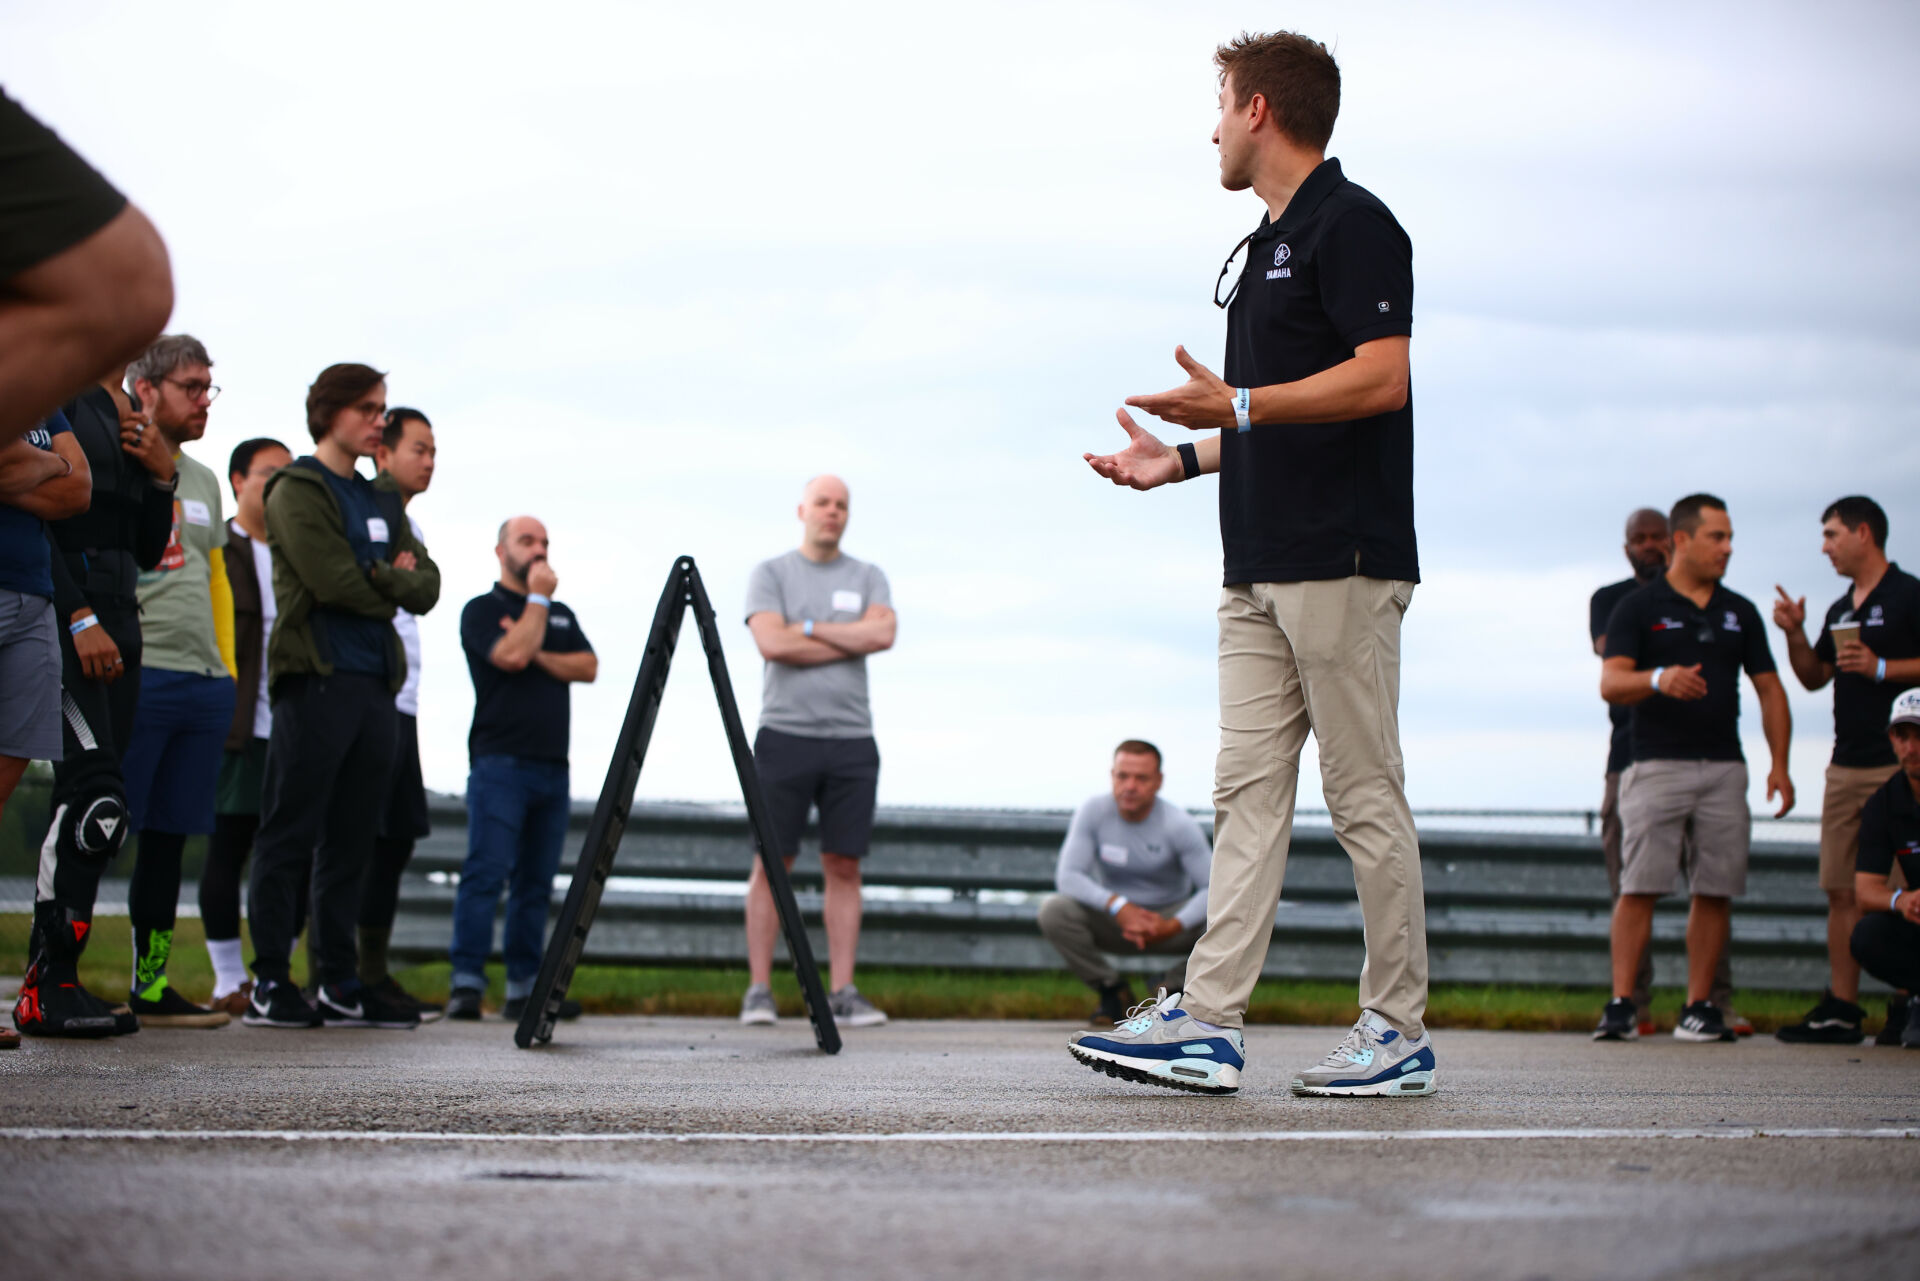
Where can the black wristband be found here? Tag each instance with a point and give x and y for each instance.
(1189, 461)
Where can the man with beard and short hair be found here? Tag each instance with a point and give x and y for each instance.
(1869, 647)
(1675, 651)
(524, 649)
(344, 559)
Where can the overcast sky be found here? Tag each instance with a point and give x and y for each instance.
(648, 269)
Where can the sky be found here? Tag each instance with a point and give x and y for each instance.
(648, 269)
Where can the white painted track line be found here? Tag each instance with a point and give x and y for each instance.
(32, 1134)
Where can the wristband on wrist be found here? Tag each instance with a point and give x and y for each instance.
(1119, 901)
(806, 628)
(1243, 408)
(535, 598)
(1880, 674)
(1656, 678)
(1189, 461)
(1893, 904)
(91, 620)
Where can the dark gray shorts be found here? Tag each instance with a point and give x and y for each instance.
(839, 775)
(29, 678)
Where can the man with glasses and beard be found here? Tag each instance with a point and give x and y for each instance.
(524, 649)
(1675, 650)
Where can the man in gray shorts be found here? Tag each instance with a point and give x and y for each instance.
(1675, 650)
(1132, 878)
(816, 614)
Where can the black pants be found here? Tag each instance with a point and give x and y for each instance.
(1887, 945)
(328, 759)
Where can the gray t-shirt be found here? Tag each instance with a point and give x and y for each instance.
(1156, 862)
(828, 700)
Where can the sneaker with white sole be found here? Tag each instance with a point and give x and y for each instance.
(1702, 1022)
(1374, 1061)
(279, 1004)
(354, 1004)
(855, 1010)
(757, 1008)
(1161, 1044)
(1620, 1021)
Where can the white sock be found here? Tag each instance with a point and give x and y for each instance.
(229, 971)
(1206, 1026)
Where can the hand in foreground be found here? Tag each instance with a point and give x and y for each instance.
(1204, 402)
(99, 656)
(1146, 462)
(1779, 784)
(541, 580)
(143, 441)
(1858, 659)
(1683, 683)
(1910, 906)
(1789, 615)
(406, 560)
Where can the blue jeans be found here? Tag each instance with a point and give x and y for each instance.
(516, 824)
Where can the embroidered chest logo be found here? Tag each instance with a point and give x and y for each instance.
(1733, 622)
(1669, 625)
(1874, 617)
(1280, 271)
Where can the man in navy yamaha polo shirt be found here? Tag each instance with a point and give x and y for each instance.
(1311, 432)
(1675, 651)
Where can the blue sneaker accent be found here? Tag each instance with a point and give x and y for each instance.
(1161, 1045)
(1418, 1062)
(1374, 1060)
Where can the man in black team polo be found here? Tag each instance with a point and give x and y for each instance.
(1869, 647)
(1311, 433)
(1886, 942)
(1675, 651)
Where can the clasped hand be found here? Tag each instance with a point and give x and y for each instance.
(1143, 927)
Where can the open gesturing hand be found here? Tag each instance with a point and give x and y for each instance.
(1203, 403)
(1789, 615)
(1146, 462)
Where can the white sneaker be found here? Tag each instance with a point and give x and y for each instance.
(1374, 1061)
(757, 1006)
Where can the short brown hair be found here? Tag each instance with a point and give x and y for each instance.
(1139, 747)
(337, 387)
(1296, 75)
(1685, 517)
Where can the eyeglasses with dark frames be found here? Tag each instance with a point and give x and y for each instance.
(196, 389)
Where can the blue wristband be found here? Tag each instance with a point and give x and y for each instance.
(91, 620)
(1243, 408)
(1881, 675)
(535, 598)
(806, 628)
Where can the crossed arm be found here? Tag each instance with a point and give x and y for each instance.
(782, 642)
(61, 483)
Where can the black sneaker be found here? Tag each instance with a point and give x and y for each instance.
(1115, 1000)
(463, 1003)
(1702, 1022)
(1896, 1023)
(167, 1008)
(1832, 1022)
(389, 990)
(279, 1004)
(50, 1007)
(517, 1007)
(357, 1005)
(1620, 1021)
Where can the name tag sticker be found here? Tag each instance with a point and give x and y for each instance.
(377, 528)
(847, 601)
(1115, 854)
(195, 512)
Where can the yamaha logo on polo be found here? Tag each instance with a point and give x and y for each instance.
(1733, 621)
(1280, 254)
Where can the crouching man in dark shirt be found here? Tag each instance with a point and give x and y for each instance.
(1886, 942)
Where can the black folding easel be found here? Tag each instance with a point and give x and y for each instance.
(683, 588)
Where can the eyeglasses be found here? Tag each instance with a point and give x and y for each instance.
(370, 409)
(195, 390)
(1235, 265)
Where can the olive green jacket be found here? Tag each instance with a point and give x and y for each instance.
(314, 572)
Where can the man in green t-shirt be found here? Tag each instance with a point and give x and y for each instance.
(173, 755)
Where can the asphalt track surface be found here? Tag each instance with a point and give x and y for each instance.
(697, 1148)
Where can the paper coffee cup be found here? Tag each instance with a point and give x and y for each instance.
(1844, 633)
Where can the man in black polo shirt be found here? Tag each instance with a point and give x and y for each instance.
(1869, 647)
(523, 648)
(1886, 942)
(1675, 650)
(1311, 432)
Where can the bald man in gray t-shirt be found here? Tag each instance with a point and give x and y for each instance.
(816, 613)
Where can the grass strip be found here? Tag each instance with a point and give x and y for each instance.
(922, 994)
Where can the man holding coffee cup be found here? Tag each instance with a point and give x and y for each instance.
(1869, 647)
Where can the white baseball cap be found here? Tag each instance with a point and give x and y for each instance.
(1906, 709)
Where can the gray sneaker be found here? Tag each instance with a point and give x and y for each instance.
(757, 1006)
(1373, 1061)
(1161, 1044)
(853, 1009)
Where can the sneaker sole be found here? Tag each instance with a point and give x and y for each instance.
(1413, 1085)
(261, 1020)
(860, 1020)
(1633, 1035)
(75, 1030)
(1796, 1036)
(215, 1018)
(758, 1018)
(391, 1025)
(1207, 1078)
(1702, 1038)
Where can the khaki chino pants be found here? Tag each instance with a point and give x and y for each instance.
(1321, 657)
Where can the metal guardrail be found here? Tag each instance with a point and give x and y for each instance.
(960, 889)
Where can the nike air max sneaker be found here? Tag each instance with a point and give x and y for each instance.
(1374, 1061)
(1160, 1044)
(354, 1004)
(279, 1004)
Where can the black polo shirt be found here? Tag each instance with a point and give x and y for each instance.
(1599, 610)
(525, 713)
(1658, 627)
(1890, 627)
(1303, 501)
(1890, 831)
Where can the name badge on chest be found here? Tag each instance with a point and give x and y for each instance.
(195, 512)
(846, 602)
(377, 529)
(1114, 854)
